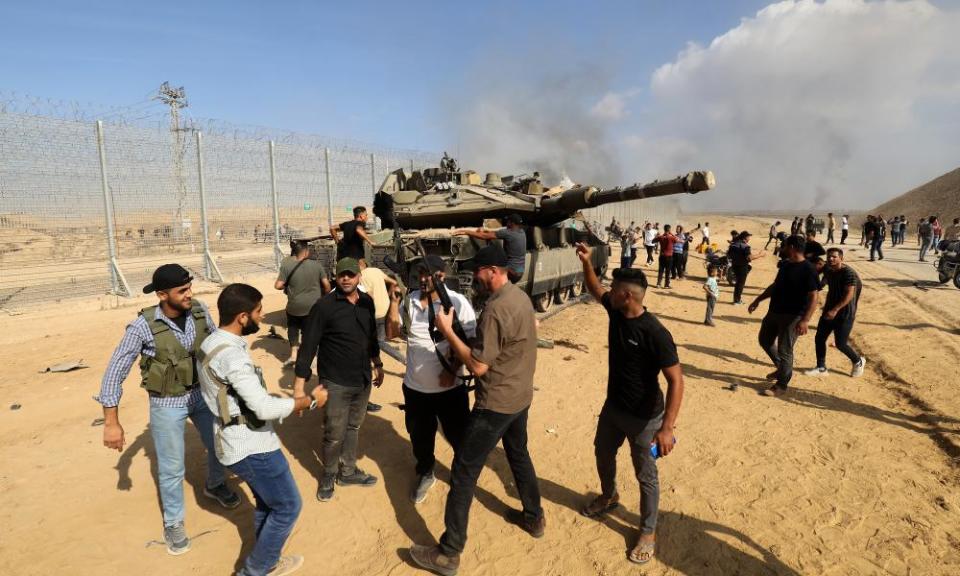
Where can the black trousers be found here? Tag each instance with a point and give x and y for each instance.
(295, 326)
(841, 329)
(741, 272)
(777, 337)
(666, 268)
(484, 430)
(422, 413)
(843, 236)
(649, 254)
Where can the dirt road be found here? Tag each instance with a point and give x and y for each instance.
(839, 477)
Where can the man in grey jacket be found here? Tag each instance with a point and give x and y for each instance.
(233, 389)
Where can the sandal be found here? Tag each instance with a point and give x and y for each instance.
(642, 553)
(600, 506)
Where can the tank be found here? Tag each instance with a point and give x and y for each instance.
(420, 210)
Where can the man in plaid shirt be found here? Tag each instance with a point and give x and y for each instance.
(166, 337)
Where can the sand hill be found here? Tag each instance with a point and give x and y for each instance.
(940, 196)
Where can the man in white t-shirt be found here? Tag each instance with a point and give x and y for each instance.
(433, 389)
(706, 234)
(844, 228)
(649, 233)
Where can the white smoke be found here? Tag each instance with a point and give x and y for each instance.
(836, 104)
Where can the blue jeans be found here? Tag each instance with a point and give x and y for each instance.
(166, 427)
(278, 506)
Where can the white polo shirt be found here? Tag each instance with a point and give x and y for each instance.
(423, 366)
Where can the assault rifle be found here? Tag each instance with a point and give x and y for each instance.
(445, 302)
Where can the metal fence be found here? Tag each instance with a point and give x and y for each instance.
(92, 207)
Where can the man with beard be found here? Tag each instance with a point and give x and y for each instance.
(793, 299)
(167, 338)
(433, 390)
(341, 332)
(233, 389)
(640, 348)
(503, 359)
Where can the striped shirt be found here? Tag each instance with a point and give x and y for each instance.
(137, 340)
(233, 364)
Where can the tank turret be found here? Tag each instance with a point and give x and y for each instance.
(439, 198)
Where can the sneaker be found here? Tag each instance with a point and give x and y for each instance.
(432, 559)
(176, 539)
(818, 371)
(287, 565)
(371, 407)
(858, 367)
(358, 478)
(424, 483)
(775, 391)
(708, 323)
(325, 491)
(223, 495)
(534, 528)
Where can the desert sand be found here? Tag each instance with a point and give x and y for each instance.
(839, 477)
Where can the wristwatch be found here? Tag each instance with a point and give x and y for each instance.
(313, 404)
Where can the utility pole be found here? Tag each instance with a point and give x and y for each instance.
(176, 98)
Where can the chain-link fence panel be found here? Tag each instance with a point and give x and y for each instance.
(239, 202)
(53, 241)
(301, 191)
(54, 201)
(152, 178)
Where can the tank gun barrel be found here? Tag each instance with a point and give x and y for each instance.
(582, 197)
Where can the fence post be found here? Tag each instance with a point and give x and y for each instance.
(277, 252)
(326, 163)
(210, 269)
(118, 284)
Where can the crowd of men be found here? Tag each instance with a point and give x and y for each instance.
(194, 369)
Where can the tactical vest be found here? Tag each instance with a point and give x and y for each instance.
(247, 416)
(171, 371)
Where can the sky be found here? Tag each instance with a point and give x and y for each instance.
(793, 104)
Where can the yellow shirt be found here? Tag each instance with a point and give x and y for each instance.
(375, 285)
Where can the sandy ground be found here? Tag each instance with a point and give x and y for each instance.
(840, 477)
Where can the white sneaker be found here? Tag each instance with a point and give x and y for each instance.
(818, 371)
(858, 367)
(287, 565)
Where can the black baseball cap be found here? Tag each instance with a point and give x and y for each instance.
(435, 262)
(168, 276)
(513, 219)
(489, 255)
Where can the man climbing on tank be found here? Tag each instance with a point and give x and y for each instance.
(514, 243)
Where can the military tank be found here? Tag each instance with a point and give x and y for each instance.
(421, 209)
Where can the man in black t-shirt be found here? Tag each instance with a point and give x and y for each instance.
(839, 312)
(793, 299)
(640, 348)
(354, 236)
(813, 249)
(740, 259)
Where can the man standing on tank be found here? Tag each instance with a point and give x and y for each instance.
(514, 243)
(351, 245)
